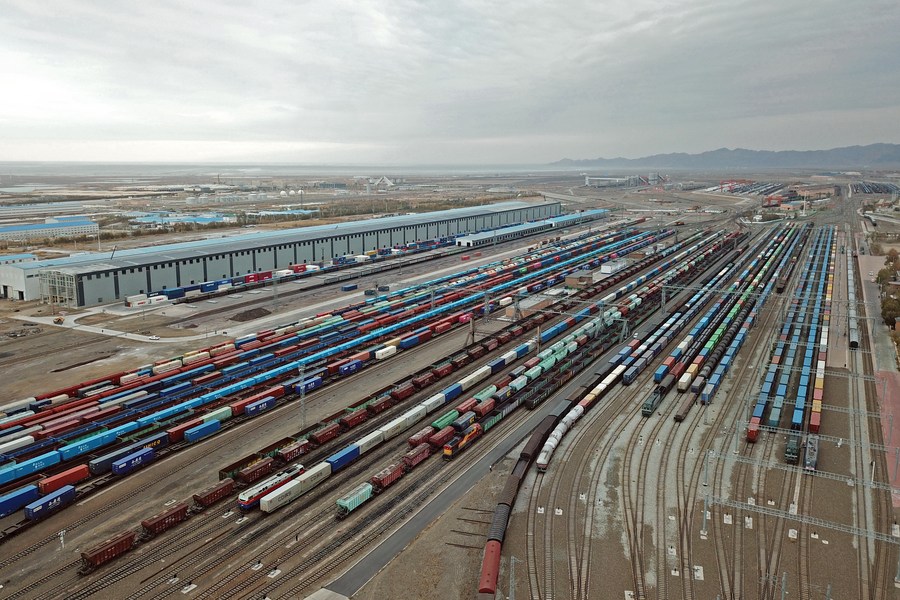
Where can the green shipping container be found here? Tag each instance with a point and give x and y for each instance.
(486, 393)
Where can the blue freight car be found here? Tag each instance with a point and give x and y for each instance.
(259, 406)
(133, 461)
(308, 385)
(201, 431)
(342, 458)
(50, 503)
(351, 367)
(103, 464)
(13, 501)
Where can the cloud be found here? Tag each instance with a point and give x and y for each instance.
(365, 81)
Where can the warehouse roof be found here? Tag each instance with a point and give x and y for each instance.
(67, 222)
(7, 257)
(97, 261)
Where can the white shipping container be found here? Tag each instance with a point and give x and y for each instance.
(296, 488)
(196, 357)
(433, 403)
(370, 441)
(414, 414)
(283, 273)
(385, 352)
(392, 428)
(220, 414)
(361, 258)
(136, 298)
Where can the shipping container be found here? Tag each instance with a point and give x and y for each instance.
(17, 499)
(67, 477)
(50, 503)
(134, 461)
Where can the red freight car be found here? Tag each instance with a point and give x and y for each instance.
(354, 418)
(55, 429)
(442, 437)
(106, 551)
(467, 405)
(164, 520)
(443, 370)
(403, 392)
(326, 434)
(380, 405)
(491, 345)
(484, 407)
(415, 456)
(292, 451)
(423, 381)
(210, 496)
(256, 471)
(387, 476)
(68, 477)
(420, 437)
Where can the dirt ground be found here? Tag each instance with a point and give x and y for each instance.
(452, 546)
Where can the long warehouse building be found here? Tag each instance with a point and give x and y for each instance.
(100, 278)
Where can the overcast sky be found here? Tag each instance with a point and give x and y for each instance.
(441, 82)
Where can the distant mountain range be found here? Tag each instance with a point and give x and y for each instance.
(873, 156)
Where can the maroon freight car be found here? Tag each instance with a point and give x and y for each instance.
(484, 408)
(210, 496)
(380, 405)
(326, 434)
(256, 471)
(403, 392)
(423, 381)
(442, 437)
(354, 418)
(443, 370)
(164, 520)
(292, 451)
(387, 476)
(467, 405)
(105, 551)
(415, 456)
(420, 436)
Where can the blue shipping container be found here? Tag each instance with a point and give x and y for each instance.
(133, 461)
(51, 502)
(349, 287)
(351, 367)
(342, 458)
(16, 499)
(308, 385)
(201, 431)
(87, 445)
(259, 406)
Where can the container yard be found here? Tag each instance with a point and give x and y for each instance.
(685, 425)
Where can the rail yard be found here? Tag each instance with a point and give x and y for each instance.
(702, 420)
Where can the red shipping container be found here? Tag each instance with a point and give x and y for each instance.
(68, 477)
(420, 437)
(815, 421)
(256, 471)
(441, 328)
(416, 456)
(55, 429)
(354, 418)
(326, 434)
(387, 476)
(361, 356)
(176, 434)
(292, 451)
(206, 378)
(165, 520)
(212, 495)
(336, 366)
